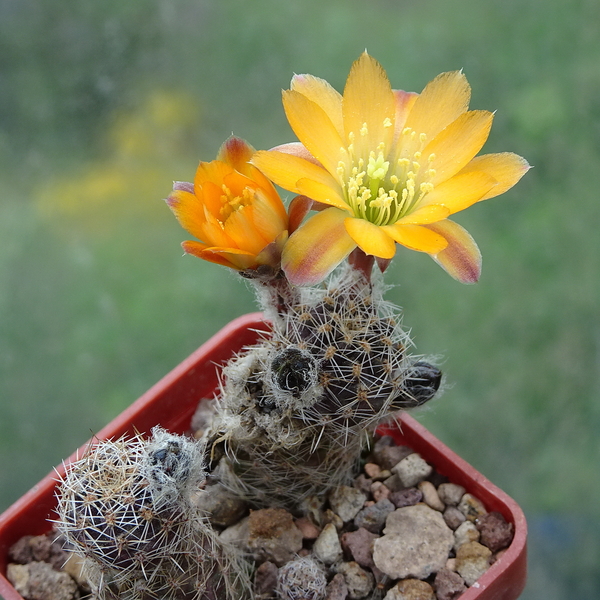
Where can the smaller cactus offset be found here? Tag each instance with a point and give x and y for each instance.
(302, 579)
(127, 508)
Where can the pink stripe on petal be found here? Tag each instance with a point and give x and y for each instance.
(316, 248)
(461, 258)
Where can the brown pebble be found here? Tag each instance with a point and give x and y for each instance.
(472, 561)
(454, 517)
(39, 581)
(390, 456)
(309, 530)
(408, 497)
(363, 484)
(337, 588)
(265, 580)
(273, 535)
(358, 545)
(430, 496)
(471, 507)
(379, 491)
(496, 532)
(448, 585)
(372, 470)
(451, 493)
(411, 589)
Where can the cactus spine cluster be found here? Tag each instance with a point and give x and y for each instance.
(127, 508)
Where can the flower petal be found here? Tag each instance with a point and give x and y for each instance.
(505, 167)
(442, 101)
(461, 191)
(296, 149)
(299, 207)
(197, 249)
(322, 193)
(323, 94)
(314, 129)
(404, 102)
(286, 169)
(368, 100)
(188, 210)
(458, 143)
(317, 247)
(425, 214)
(461, 258)
(268, 221)
(370, 238)
(239, 226)
(230, 257)
(236, 152)
(416, 237)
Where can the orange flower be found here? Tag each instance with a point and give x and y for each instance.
(389, 167)
(234, 209)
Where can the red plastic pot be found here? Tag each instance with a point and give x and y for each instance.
(171, 404)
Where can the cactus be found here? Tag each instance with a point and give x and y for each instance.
(295, 411)
(127, 507)
(302, 579)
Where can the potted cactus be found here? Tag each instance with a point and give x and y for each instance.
(309, 391)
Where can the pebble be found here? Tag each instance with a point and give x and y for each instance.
(389, 456)
(471, 507)
(360, 582)
(379, 491)
(337, 588)
(309, 530)
(40, 548)
(373, 517)
(465, 533)
(472, 561)
(265, 580)
(223, 508)
(408, 497)
(363, 484)
(372, 470)
(346, 501)
(393, 483)
(327, 547)
(416, 543)
(39, 581)
(331, 517)
(448, 585)
(496, 533)
(430, 496)
(237, 534)
(412, 470)
(359, 545)
(411, 589)
(453, 517)
(451, 493)
(273, 535)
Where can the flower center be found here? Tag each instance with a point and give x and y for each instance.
(231, 203)
(382, 192)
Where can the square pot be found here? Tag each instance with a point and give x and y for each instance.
(171, 404)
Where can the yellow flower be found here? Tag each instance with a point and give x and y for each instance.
(389, 166)
(234, 209)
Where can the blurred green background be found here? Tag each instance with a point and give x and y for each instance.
(103, 104)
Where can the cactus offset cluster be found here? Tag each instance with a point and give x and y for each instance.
(295, 410)
(126, 507)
